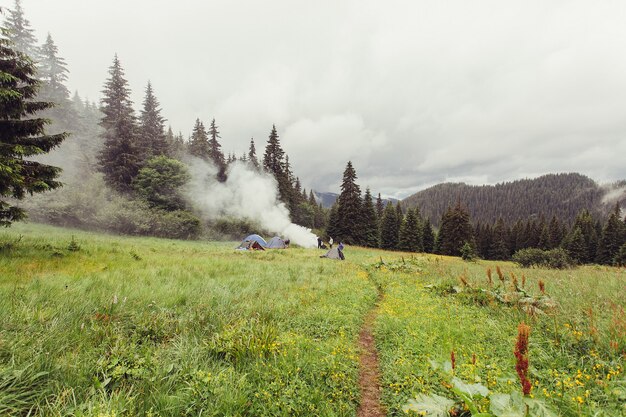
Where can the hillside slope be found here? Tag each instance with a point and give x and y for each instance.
(563, 195)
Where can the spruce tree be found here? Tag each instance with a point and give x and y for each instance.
(332, 229)
(274, 154)
(575, 246)
(215, 151)
(152, 127)
(410, 236)
(52, 72)
(612, 238)
(120, 156)
(274, 163)
(389, 228)
(455, 230)
(19, 32)
(380, 207)
(428, 237)
(199, 143)
(585, 222)
(349, 208)
(499, 249)
(252, 155)
(555, 233)
(369, 221)
(21, 133)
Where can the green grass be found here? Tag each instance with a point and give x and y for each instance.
(118, 326)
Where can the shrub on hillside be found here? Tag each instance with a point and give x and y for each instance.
(555, 258)
(233, 229)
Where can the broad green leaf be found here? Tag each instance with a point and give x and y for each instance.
(505, 405)
(433, 405)
(538, 408)
(470, 389)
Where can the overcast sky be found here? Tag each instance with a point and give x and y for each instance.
(413, 92)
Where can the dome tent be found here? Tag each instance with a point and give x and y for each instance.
(276, 243)
(257, 239)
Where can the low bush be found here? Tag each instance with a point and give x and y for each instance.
(554, 259)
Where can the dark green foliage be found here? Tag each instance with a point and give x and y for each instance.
(575, 246)
(455, 230)
(159, 183)
(274, 163)
(52, 72)
(389, 231)
(349, 208)
(380, 207)
(560, 195)
(120, 156)
(499, 249)
(333, 221)
(468, 253)
(215, 152)
(620, 258)
(369, 221)
(428, 237)
(555, 233)
(483, 238)
(153, 140)
(555, 258)
(585, 222)
(19, 33)
(199, 143)
(21, 133)
(612, 238)
(410, 235)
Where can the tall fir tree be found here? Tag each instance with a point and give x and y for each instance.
(499, 249)
(575, 246)
(152, 127)
(410, 235)
(612, 238)
(349, 208)
(22, 133)
(428, 237)
(332, 229)
(215, 151)
(199, 142)
(120, 156)
(52, 71)
(555, 233)
(274, 163)
(455, 231)
(380, 207)
(389, 228)
(585, 222)
(252, 158)
(369, 221)
(19, 32)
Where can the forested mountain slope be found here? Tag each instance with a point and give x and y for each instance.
(563, 195)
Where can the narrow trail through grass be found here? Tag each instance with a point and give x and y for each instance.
(369, 369)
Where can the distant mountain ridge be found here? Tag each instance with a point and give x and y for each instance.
(563, 195)
(328, 199)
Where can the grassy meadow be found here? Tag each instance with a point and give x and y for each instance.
(98, 325)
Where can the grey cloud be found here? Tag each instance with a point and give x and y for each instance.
(412, 92)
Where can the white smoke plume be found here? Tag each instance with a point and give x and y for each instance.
(613, 194)
(246, 194)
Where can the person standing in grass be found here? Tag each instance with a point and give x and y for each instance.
(319, 242)
(330, 241)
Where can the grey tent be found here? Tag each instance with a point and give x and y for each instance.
(250, 245)
(276, 243)
(334, 253)
(257, 239)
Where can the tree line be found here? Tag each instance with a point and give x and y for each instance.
(360, 220)
(136, 156)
